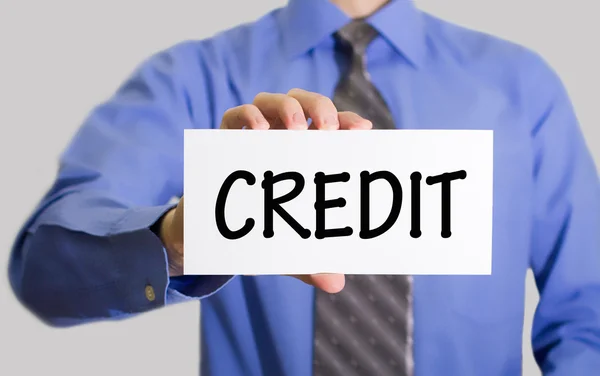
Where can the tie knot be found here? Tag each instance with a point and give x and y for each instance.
(357, 35)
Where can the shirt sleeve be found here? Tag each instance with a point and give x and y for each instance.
(566, 237)
(87, 252)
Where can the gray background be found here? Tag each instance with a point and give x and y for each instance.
(60, 58)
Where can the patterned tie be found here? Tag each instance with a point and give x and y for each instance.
(367, 328)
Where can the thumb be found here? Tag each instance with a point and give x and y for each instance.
(330, 283)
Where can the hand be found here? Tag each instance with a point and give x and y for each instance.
(271, 111)
(171, 234)
(292, 111)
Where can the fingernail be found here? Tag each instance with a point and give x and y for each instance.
(366, 124)
(331, 121)
(261, 123)
(299, 120)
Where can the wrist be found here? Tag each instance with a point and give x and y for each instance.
(164, 230)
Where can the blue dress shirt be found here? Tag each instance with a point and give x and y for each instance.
(87, 252)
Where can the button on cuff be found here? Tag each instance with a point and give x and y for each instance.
(149, 290)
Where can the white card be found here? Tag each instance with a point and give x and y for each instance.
(228, 231)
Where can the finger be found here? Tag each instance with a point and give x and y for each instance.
(318, 107)
(282, 111)
(351, 120)
(330, 283)
(247, 115)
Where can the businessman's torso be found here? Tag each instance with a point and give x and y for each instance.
(267, 321)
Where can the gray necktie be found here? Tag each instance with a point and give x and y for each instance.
(367, 328)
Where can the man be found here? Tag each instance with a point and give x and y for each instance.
(107, 243)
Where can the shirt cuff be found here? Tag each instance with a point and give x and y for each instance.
(198, 287)
(137, 222)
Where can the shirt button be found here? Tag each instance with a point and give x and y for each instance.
(150, 293)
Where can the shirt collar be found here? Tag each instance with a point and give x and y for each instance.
(306, 23)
